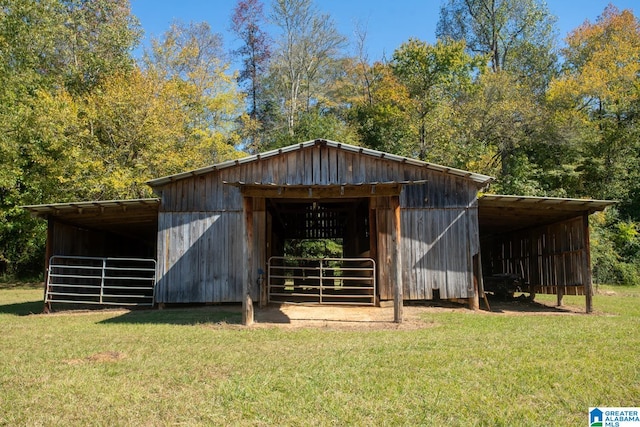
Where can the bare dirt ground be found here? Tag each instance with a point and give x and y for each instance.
(357, 317)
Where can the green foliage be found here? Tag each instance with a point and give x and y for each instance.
(248, 22)
(516, 35)
(313, 248)
(43, 58)
(599, 90)
(79, 119)
(314, 125)
(435, 76)
(302, 69)
(615, 249)
(97, 37)
(383, 118)
(384, 127)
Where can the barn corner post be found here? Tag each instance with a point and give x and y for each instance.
(247, 283)
(397, 261)
(588, 284)
(476, 268)
(48, 253)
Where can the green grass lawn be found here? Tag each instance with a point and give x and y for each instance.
(196, 367)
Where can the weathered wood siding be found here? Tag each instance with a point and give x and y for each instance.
(439, 239)
(200, 255)
(201, 224)
(548, 257)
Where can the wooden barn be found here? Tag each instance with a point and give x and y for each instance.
(253, 229)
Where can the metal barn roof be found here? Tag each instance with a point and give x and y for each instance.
(475, 177)
(502, 213)
(130, 217)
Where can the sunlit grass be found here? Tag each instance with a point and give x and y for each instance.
(199, 367)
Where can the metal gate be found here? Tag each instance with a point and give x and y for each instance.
(101, 281)
(322, 281)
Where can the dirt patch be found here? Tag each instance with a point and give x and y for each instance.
(381, 318)
(102, 357)
(325, 316)
(338, 317)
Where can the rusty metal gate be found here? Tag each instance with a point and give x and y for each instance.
(349, 281)
(101, 281)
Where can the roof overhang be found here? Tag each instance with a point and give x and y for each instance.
(133, 217)
(498, 214)
(277, 191)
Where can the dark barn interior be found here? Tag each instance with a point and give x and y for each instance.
(541, 242)
(124, 228)
(325, 236)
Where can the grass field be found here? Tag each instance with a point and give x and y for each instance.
(196, 367)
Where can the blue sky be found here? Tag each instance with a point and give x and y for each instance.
(389, 23)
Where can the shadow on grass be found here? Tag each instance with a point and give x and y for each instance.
(271, 314)
(22, 308)
(523, 305)
(179, 316)
(20, 285)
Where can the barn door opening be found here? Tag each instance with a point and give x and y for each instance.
(318, 243)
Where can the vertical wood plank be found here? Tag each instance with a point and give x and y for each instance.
(160, 252)
(219, 257)
(324, 164)
(202, 256)
(315, 163)
(207, 255)
(300, 167)
(353, 169)
(335, 156)
(293, 171)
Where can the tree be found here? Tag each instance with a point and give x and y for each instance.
(308, 43)
(79, 120)
(434, 76)
(516, 35)
(500, 123)
(247, 22)
(98, 38)
(600, 96)
(383, 117)
(48, 49)
(190, 58)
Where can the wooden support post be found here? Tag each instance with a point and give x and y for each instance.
(481, 280)
(48, 253)
(559, 294)
(474, 300)
(588, 285)
(373, 244)
(397, 261)
(247, 284)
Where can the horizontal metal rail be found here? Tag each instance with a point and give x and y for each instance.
(322, 280)
(101, 281)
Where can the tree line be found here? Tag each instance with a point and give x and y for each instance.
(498, 93)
